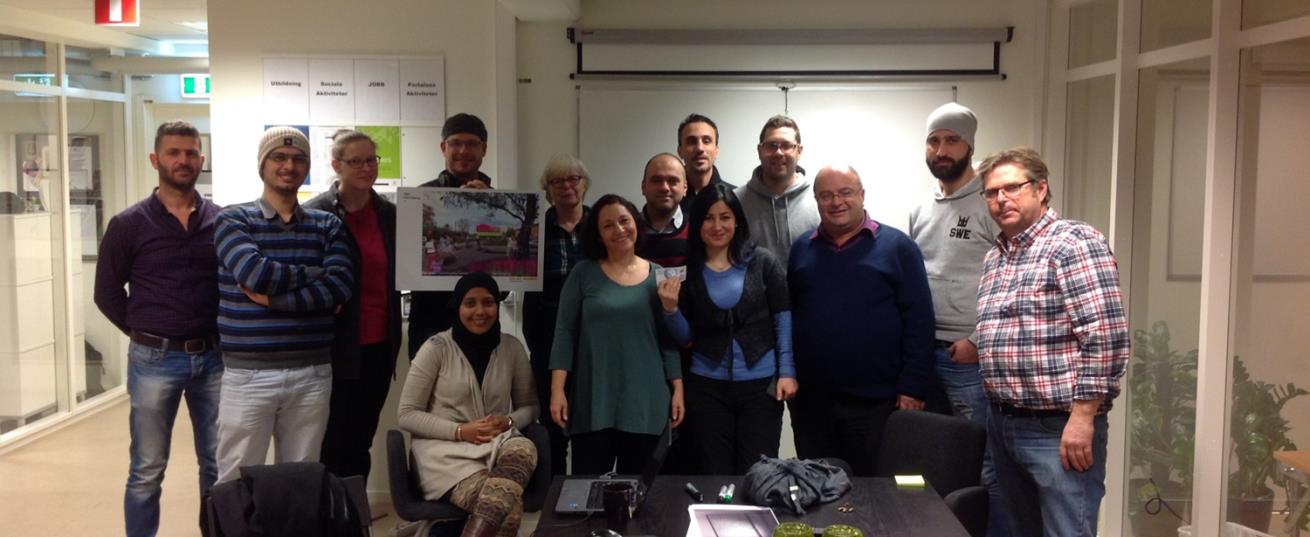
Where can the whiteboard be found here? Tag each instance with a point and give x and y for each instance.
(877, 129)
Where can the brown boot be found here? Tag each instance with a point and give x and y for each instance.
(478, 526)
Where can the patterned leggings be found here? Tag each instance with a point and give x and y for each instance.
(497, 495)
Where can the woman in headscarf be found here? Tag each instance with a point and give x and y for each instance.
(469, 391)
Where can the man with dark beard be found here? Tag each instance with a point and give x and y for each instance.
(954, 232)
(164, 248)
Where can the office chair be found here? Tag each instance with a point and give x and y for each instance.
(948, 452)
(407, 497)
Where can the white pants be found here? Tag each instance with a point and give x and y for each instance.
(289, 406)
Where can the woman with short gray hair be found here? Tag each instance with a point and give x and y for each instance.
(565, 181)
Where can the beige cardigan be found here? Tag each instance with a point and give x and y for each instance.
(442, 392)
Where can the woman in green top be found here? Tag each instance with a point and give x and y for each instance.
(626, 378)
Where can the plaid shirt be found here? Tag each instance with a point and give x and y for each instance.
(563, 250)
(1051, 322)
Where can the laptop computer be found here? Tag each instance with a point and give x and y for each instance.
(582, 495)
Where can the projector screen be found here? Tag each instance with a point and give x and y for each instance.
(877, 129)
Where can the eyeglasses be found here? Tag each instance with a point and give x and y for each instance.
(1011, 190)
(459, 145)
(282, 158)
(786, 147)
(570, 180)
(845, 193)
(358, 163)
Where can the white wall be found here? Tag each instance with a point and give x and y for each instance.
(1009, 111)
(243, 31)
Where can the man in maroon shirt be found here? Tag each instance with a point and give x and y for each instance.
(163, 248)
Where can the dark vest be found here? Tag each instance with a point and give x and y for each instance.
(750, 322)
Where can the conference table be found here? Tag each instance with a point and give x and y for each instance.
(880, 509)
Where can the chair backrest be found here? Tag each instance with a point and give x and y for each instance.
(947, 451)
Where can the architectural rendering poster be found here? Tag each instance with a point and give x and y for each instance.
(445, 233)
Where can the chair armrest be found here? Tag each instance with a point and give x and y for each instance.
(970, 506)
(534, 496)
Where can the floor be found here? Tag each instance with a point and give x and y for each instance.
(71, 483)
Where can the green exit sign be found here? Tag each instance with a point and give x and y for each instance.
(195, 86)
(40, 79)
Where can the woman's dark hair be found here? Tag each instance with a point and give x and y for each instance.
(592, 246)
(739, 249)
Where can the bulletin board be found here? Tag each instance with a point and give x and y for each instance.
(399, 101)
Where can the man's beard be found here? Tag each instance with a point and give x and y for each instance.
(182, 185)
(954, 172)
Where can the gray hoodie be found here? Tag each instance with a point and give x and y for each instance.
(954, 234)
(777, 221)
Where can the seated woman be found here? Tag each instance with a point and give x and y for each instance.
(733, 312)
(468, 392)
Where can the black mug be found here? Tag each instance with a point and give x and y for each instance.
(617, 498)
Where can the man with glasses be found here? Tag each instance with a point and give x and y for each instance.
(1053, 342)
(663, 184)
(954, 232)
(698, 145)
(863, 326)
(777, 200)
(283, 272)
(463, 144)
(163, 249)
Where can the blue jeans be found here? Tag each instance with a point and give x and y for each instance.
(1040, 497)
(964, 388)
(156, 382)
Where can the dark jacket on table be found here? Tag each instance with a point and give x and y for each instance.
(750, 322)
(345, 346)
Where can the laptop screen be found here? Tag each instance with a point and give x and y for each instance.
(656, 459)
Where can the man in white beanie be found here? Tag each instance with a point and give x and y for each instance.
(954, 232)
(283, 270)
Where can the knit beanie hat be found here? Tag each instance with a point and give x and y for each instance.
(276, 137)
(953, 117)
(464, 123)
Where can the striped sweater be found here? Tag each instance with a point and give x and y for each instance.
(303, 266)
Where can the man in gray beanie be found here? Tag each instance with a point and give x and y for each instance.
(283, 270)
(464, 144)
(954, 232)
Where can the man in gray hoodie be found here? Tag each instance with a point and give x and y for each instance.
(779, 199)
(954, 232)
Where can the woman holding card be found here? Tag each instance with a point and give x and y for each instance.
(611, 344)
(733, 312)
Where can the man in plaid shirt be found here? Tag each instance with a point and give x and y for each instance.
(1053, 341)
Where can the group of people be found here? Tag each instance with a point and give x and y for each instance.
(281, 321)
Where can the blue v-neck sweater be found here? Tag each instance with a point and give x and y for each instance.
(862, 315)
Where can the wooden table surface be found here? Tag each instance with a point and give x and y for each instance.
(1296, 459)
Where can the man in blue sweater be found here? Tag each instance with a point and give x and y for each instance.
(863, 337)
(283, 272)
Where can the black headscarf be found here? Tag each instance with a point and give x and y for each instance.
(477, 347)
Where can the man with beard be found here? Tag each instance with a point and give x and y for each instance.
(283, 272)
(698, 145)
(664, 184)
(777, 200)
(464, 145)
(954, 232)
(163, 246)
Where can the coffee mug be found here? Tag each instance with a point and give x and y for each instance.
(618, 499)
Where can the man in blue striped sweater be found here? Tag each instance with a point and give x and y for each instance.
(283, 272)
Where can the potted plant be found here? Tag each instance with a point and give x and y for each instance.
(1163, 422)
(1258, 429)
